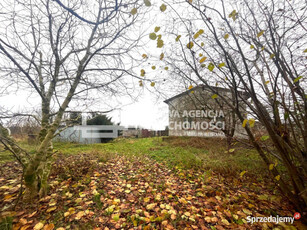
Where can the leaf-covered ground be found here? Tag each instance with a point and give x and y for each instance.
(89, 192)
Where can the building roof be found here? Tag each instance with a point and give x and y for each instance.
(203, 87)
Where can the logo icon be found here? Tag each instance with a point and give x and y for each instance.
(297, 215)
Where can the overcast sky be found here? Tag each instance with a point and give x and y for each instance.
(147, 111)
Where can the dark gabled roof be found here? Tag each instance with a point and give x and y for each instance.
(203, 87)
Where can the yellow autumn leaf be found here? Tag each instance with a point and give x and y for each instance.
(221, 65)
(190, 45)
(139, 211)
(247, 212)
(224, 221)
(242, 173)
(115, 217)
(49, 227)
(214, 96)
(4, 187)
(68, 194)
(218, 197)
(160, 43)
(81, 194)
(152, 36)
(252, 46)
(142, 72)
(134, 11)
(163, 7)
(244, 123)
(277, 177)
(196, 36)
(51, 209)
(116, 201)
(266, 82)
(71, 210)
(226, 36)
(23, 221)
(305, 51)
(161, 56)
(150, 206)
(200, 32)
(7, 197)
(144, 56)
(152, 84)
(79, 215)
(202, 60)
(211, 67)
(110, 209)
(190, 87)
(272, 56)
(271, 166)
(153, 67)
(178, 37)
(202, 44)
(147, 3)
(38, 226)
(52, 203)
(166, 68)
(200, 55)
(260, 33)
(157, 28)
(140, 83)
(233, 15)
(297, 79)
(251, 122)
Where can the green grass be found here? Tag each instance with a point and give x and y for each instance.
(179, 152)
(187, 153)
(6, 156)
(6, 223)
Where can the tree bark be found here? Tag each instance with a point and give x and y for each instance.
(37, 173)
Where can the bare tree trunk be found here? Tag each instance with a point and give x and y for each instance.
(37, 173)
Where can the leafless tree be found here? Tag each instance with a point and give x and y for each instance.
(258, 47)
(64, 51)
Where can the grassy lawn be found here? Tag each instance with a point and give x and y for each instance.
(183, 152)
(178, 152)
(187, 153)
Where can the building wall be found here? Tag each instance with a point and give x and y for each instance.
(72, 135)
(196, 101)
